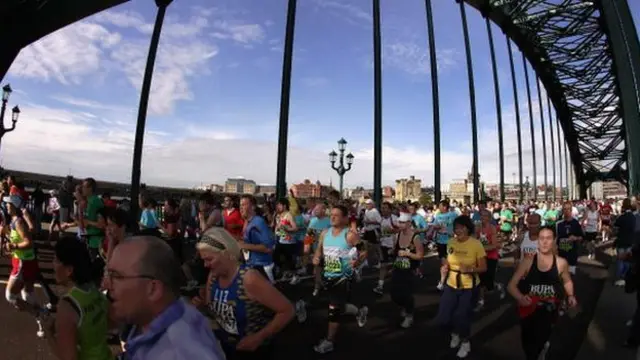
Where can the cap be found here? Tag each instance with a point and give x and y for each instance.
(404, 217)
(14, 200)
(368, 201)
(219, 239)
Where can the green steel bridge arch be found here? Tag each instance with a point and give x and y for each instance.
(586, 54)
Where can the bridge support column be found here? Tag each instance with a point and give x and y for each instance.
(516, 103)
(623, 40)
(553, 151)
(435, 93)
(285, 96)
(496, 89)
(377, 105)
(560, 141)
(136, 167)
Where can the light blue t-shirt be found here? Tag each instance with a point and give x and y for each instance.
(319, 224)
(420, 223)
(148, 219)
(446, 220)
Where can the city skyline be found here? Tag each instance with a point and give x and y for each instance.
(217, 85)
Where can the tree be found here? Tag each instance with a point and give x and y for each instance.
(425, 199)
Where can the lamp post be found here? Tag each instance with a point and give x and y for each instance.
(15, 112)
(341, 169)
(527, 184)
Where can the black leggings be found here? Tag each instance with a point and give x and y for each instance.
(285, 255)
(402, 289)
(536, 331)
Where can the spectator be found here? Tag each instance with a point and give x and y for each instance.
(143, 282)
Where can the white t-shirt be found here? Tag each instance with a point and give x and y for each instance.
(386, 225)
(528, 247)
(372, 215)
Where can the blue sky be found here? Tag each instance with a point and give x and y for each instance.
(216, 93)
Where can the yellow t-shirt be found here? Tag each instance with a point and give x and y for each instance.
(463, 253)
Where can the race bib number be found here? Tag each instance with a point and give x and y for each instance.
(529, 251)
(402, 262)
(333, 265)
(565, 245)
(484, 240)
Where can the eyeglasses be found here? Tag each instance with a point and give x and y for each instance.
(112, 275)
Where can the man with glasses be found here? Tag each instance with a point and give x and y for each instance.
(143, 283)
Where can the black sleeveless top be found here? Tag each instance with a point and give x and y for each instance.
(545, 288)
(403, 262)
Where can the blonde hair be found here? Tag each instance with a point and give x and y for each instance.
(218, 239)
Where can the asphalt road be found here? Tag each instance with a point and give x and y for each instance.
(495, 333)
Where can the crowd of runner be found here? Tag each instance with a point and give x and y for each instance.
(140, 287)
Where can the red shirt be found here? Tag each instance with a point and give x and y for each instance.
(14, 190)
(233, 217)
(110, 203)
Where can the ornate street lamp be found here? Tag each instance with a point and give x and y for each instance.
(341, 169)
(15, 112)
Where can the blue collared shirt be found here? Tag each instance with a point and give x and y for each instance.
(181, 332)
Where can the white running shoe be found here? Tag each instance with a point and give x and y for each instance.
(325, 346)
(465, 349)
(361, 317)
(407, 322)
(455, 341)
(295, 279)
(543, 353)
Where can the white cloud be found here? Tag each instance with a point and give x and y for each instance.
(239, 32)
(87, 47)
(66, 55)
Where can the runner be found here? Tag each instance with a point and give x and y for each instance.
(408, 252)
(537, 285)
(247, 308)
(569, 233)
(466, 259)
(286, 249)
(443, 224)
(318, 223)
(258, 240)
(528, 240)
(590, 222)
(606, 220)
(24, 265)
(338, 248)
(389, 224)
(487, 234)
(81, 322)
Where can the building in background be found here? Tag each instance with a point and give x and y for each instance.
(359, 193)
(210, 187)
(240, 185)
(388, 193)
(461, 190)
(408, 189)
(307, 189)
(265, 189)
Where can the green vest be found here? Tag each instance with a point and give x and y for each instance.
(22, 254)
(92, 309)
